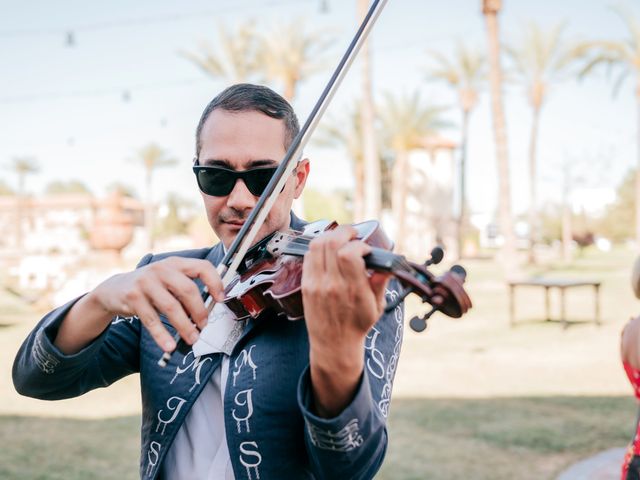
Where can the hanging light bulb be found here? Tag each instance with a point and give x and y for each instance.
(324, 6)
(70, 39)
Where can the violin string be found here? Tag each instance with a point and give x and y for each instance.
(298, 245)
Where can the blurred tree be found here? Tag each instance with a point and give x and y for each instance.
(372, 197)
(151, 157)
(71, 186)
(538, 60)
(290, 53)
(179, 214)
(407, 121)
(22, 166)
(490, 10)
(618, 221)
(550, 223)
(623, 55)
(122, 189)
(330, 206)
(235, 59)
(346, 132)
(6, 190)
(466, 73)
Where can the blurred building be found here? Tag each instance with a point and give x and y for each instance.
(45, 237)
(431, 199)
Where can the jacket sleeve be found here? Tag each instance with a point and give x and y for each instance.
(41, 370)
(353, 444)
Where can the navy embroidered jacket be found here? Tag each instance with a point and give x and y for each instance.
(270, 429)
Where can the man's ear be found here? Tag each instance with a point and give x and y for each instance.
(301, 174)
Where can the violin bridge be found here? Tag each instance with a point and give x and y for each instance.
(277, 244)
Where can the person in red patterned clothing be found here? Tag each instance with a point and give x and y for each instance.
(630, 354)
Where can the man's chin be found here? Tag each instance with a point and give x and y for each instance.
(227, 233)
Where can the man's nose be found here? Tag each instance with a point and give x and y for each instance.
(240, 197)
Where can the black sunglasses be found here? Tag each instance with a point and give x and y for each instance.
(219, 181)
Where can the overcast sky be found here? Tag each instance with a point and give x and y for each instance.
(65, 104)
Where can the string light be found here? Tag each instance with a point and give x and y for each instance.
(324, 6)
(69, 33)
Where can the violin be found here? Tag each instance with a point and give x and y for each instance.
(270, 275)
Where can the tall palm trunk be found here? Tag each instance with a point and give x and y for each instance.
(533, 191)
(20, 210)
(490, 11)
(289, 90)
(148, 211)
(567, 234)
(358, 193)
(462, 219)
(638, 166)
(399, 196)
(372, 196)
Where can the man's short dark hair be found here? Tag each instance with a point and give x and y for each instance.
(244, 97)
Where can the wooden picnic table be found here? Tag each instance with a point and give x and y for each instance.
(561, 285)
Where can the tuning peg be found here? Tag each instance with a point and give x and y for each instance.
(437, 254)
(419, 324)
(459, 271)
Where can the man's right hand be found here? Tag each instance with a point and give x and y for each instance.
(165, 286)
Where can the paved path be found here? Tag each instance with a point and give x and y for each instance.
(603, 466)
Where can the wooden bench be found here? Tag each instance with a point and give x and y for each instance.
(560, 284)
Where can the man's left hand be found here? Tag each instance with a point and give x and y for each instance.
(341, 304)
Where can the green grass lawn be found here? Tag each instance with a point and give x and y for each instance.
(506, 438)
(473, 398)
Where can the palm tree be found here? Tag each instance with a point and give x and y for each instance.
(151, 157)
(346, 132)
(5, 190)
(235, 59)
(291, 53)
(625, 56)
(539, 60)
(372, 195)
(490, 10)
(22, 166)
(465, 72)
(58, 187)
(406, 122)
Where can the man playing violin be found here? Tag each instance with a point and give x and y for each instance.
(260, 398)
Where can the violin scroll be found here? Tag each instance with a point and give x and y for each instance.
(444, 293)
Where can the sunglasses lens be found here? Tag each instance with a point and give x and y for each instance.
(215, 181)
(219, 182)
(257, 179)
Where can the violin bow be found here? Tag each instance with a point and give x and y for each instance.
(229, 265)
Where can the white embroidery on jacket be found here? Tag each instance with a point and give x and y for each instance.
(385, 395)
(249, 455)
(245, 453)
(44, 360)
(119, 319)
(375, 363)
(175, 408)
(153, 454)
(246, 402)
(344, 440)
(195, 365)
(244, 357)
